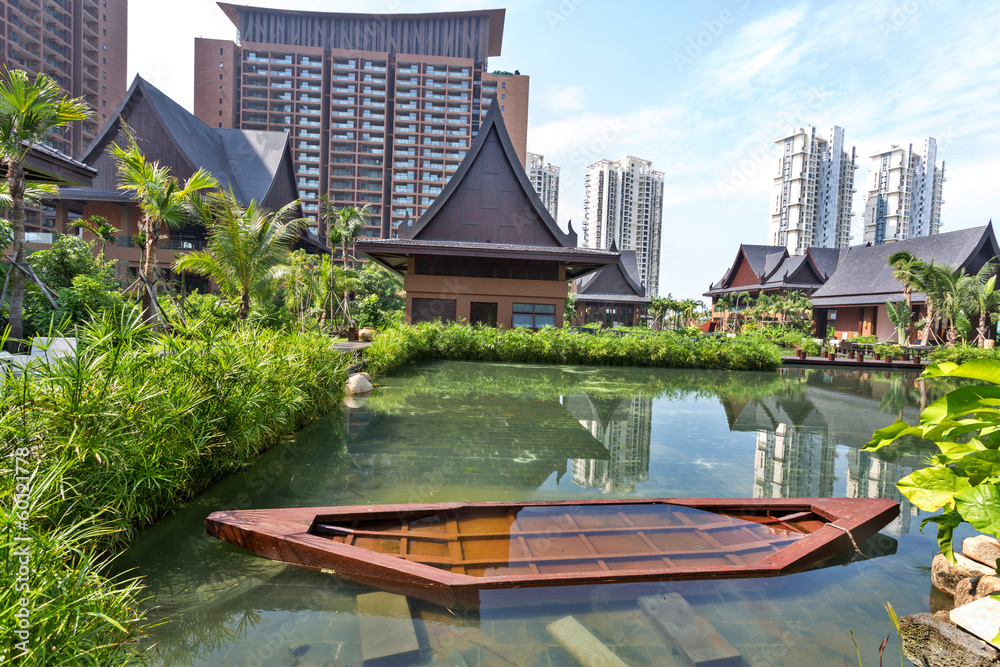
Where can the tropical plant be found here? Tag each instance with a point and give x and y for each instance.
(245, 246)
(964, 479)
(984, 300)
(161, 198)
(723, 305)
(343, 227)
(29, 110)
(103, 230)
(902, 320)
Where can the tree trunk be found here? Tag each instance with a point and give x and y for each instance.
(148, 266)
(981, 330)
(245, 304)
(926, 333)
(15, 181)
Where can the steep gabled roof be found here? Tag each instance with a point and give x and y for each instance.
(618, 280)
(489, 199)
(772, 269)
(247, 161)
(826, 259)
(864, 275)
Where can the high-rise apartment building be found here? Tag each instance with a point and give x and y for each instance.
(544, 178)
(904, 194)
(82, 46)
(624, 207)
(382, 107)
(813, 191)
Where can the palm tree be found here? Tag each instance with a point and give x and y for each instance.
(29, 110)
(985, 299)
(245, 245)
(344, 226)
(162, 200)
(724, 303)
(100, 227)
(947, 289)
(906, 268)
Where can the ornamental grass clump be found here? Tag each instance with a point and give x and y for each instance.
(405, 344)
(121, 433)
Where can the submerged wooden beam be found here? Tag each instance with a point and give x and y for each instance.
(585, 647)
(691, 635)
(387, 633)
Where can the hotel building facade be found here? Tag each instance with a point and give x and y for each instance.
(544, 178)
(624, 209)
(904, 194)
(381, 107)
(813, 191)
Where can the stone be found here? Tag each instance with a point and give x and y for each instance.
(932, 642)
(356, 384)
(387, 633)
(945, 575)
(356, 401)
(981, 618)
(982, 549)
(691, 635)
(973, 588)
(364, 375)
(584, 646)
(366, 334)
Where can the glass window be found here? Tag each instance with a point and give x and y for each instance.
(534, 315)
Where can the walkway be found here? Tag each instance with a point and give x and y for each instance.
(844, 362)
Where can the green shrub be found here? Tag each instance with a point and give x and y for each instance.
(404, 344)
(960, 355)
(811, 348)
(134, 424)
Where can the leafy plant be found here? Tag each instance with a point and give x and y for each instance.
(964, 479)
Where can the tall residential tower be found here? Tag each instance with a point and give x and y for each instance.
(813, 191)
(544, 178)
(904, 194)
(624, 207)
(82, 46)
(382, 107)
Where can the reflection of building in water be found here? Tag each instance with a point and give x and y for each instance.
(798, 436)
(790, 463)
(868, 477)
(623, 426)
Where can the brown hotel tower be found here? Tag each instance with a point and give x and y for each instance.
(79, 43)
(381, 107)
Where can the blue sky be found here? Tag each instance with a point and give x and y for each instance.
(703, 89)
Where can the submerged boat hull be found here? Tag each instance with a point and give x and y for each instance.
(449, 552)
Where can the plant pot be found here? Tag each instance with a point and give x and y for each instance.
(352, 334)
(832, 356)
(861, 357)
(877, 356)
(801, 354)
(906, 356)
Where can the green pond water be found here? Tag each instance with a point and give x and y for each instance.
(452, 431)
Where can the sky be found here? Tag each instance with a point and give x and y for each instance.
(702, 89)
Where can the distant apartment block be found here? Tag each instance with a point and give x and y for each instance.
(381, 107)
(544, 178)
(904, 194)
(81, 45)
(813, 191)
(624, 207)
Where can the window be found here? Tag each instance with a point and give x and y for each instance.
(501, 108)
(220, 77)
(220, 63)
(220, 51)
(534, 315)
(220, 89)
(220, 112)
(105, 46)
(503, 84)
(104, 103)
(428, 310)
(220, 124)
(104, 75)
(104, 89)
(104, 61)
(105, 32)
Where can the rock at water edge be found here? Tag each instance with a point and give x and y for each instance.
(982, 549)
(356, 384)
(974, 588)
(945, 575)
(933, 642)
(585, 647)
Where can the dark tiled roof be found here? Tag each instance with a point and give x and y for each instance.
(404, 245)
(621, 279)
(613, 298)
(865, 271)
(247, 161)
(826, 259)
(758, 256)
(779, 269)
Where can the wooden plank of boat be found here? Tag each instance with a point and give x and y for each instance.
(466, 547)
(691, 635)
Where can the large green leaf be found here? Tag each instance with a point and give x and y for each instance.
(961, 402)
(987, 370)
(887, 435)
(946, 523)
(981, 464)
(980, 506)
(931, 488)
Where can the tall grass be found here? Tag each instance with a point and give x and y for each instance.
(136, 423)
(405, 344)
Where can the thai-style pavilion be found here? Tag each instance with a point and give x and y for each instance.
(613, 296)
(762, 269)
(487, 251)
(854, 298)
(255, 164)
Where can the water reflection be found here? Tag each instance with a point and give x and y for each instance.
(623, 426)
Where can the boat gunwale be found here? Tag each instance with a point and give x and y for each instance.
(291, 526)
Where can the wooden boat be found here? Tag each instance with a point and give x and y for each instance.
(450, 551)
